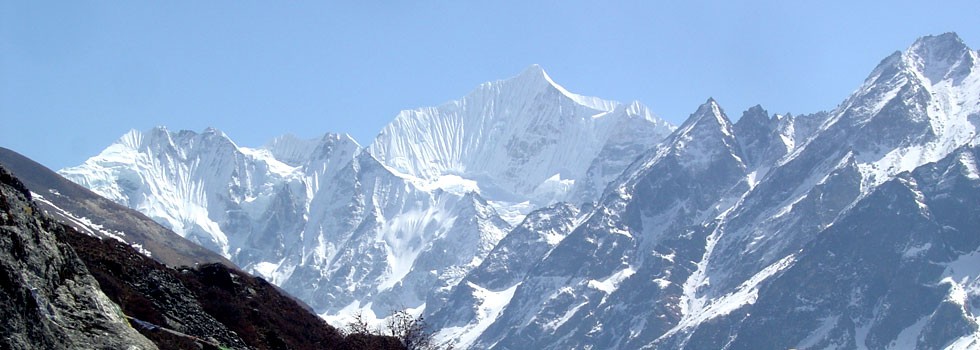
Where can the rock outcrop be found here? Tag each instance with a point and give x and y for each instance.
(48, 299)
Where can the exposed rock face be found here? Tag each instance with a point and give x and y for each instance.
(48, 299)
(150, 292)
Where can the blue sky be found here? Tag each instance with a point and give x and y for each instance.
(76, 75)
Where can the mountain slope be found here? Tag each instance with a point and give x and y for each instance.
(895, 271)
(222, 306)
(479, 298)
(374, 238)
(898, 120)
(622, 254)
(48, 298)
(791, 184)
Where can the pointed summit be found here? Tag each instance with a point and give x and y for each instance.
(534, 78)
(709, 122)
(711, 113)
(534, 71)
(527, 133)
(705, 134)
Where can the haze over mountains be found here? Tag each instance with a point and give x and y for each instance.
(527, 216)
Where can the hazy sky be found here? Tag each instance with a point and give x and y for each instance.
(76, 75)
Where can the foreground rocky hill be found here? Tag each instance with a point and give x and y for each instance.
(63, 289)
(48, 299)
(209, 304)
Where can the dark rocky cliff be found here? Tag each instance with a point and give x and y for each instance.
(48, 299)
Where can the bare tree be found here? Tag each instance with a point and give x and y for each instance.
(358, 326)
(413, 332)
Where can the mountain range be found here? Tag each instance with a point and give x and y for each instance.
(526, 216)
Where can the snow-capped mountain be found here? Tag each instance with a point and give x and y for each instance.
(712, 239)
(526, 216)
(348, 229)
(649, 219)
(897, 270)
(521, 139)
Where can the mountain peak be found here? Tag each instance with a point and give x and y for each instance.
(756, 110)
(939, 57)
(535, 75)
(215, 132)
(755, 115)
(710, 108)
(534, 70)
(161, 138)
(534, 78)
(296, 151)
(943, 42)
(709, 116)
